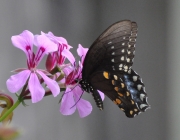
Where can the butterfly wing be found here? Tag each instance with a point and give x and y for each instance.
(127, 91)
(112, 50)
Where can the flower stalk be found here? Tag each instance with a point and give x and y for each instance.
(10, 110)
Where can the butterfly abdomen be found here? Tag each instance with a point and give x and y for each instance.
(98, 99)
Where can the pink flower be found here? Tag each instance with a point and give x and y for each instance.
(56, 58)
(71, 99)
(25, 42)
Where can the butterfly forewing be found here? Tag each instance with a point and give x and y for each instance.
(117, 41)
(120, 50)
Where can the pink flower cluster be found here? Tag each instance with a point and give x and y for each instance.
(40, 82)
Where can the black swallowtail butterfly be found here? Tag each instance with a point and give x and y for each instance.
(107, 67)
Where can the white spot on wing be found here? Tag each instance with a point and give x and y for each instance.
(115, 77)
(122, 50)
(121, 65)
(125, 67)
(109, 42)
(142, 96)
(122, 58)
(143, 105)
(139, 87)
(128, 60)
(112, 60)
(135, 78)
(129, 71)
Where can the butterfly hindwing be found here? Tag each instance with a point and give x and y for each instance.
(123, 91)
(136, 88)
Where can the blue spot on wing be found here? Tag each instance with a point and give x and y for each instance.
(132, 87)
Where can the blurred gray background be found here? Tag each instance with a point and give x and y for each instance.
(82, 21)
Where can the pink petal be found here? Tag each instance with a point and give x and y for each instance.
(24, 40)
(42, 33)
(58, 40)
(52, 84)
(67, 103)
(101, 94)
(79, 70)
(67, 70)
(45, 46)
(18, 70)
(66, 53)
(35, 88)
(84, 107)
(62, 40)
(17, 81)
(82, 52)
(51, 36)
(46, 43)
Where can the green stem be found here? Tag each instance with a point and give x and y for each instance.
(10, 110)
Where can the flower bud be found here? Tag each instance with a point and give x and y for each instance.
(6, 103)
(50, 62)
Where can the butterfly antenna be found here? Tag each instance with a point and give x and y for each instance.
(77, 101)
(66, 93)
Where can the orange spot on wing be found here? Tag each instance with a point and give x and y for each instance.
(120, 94)
(106, 74)
(127, 93)
(122, 109)
(118, 101)
(113, 82)
(116, 88)
(131, 112)
(115, 102)
(122, 85)
(132, 102)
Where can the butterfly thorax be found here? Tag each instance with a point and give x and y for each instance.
(86, 86)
